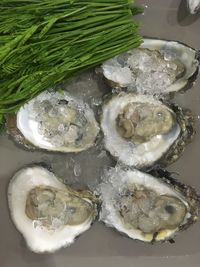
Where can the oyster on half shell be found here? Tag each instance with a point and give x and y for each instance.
(156, 67)
(146, 207)
(140, 130)
(49, 214)
(54, 121)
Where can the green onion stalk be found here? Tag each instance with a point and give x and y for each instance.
(43, 42)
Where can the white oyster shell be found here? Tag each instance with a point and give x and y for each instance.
(138, 155)
(56, 129)
(40, 239)
(116, 182)
(164, 78)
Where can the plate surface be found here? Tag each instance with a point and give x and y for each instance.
(100, 245)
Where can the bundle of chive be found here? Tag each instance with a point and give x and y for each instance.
(43, 42)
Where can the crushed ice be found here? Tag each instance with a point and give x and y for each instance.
(61, 121)
(143, 70)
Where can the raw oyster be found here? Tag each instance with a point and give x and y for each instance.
(55, 121)
(47, 213)
(140, 130)
(145, 207)
(157, 67)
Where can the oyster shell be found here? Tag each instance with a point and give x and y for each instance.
(49, 214)
(140, 130)
(145, 207)
(157, 67)
(193, 5)
(54, 121)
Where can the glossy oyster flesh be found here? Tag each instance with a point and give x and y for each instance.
(140, 130)
(145, 207)
(157, 67)
(55, 121)
(47, 213)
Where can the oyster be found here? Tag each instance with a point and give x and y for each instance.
(194, 6)
(140, 130)
(157, 67)
(47, 213)
(145, 207)
(55, 121)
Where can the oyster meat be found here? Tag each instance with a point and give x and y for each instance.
(49, 214)
(157, 67)
(140, 130)
(55, 121)
(145, 207)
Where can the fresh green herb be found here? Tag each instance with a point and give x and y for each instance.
(43, 42)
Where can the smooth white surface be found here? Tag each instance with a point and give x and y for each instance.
(39, 239)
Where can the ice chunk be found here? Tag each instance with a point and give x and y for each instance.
(57, 141)
(155, 82)
(71, 135)
(117, 73)
(77, 169)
